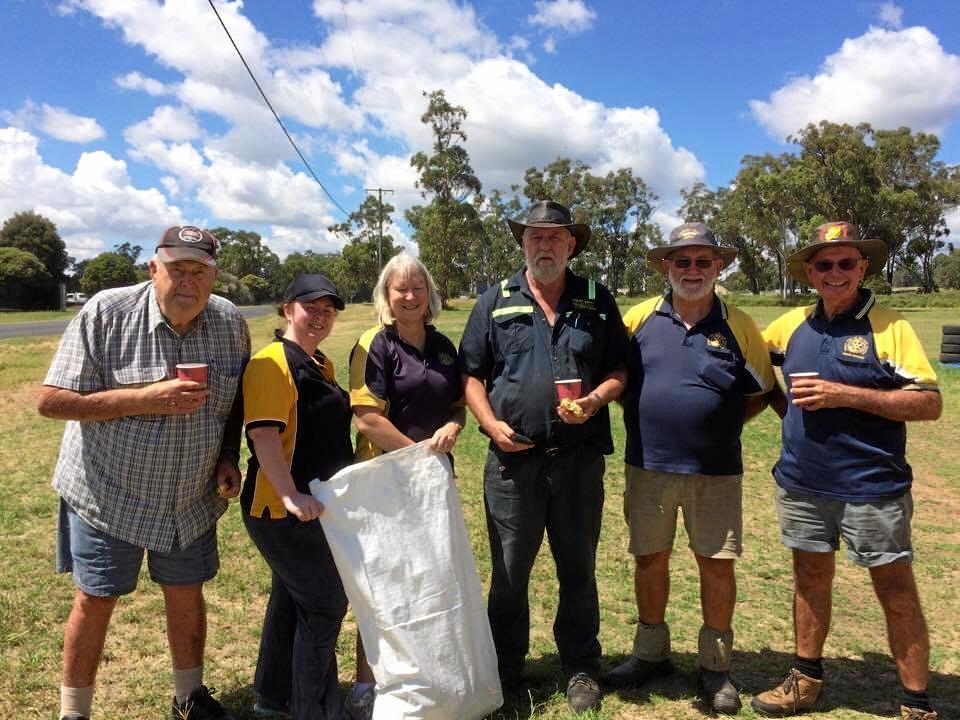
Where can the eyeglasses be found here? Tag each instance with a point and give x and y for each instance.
(684, 262)
(825, 266)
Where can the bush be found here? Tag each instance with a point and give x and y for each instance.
(25, 283)
(878, 284)
(107, 270)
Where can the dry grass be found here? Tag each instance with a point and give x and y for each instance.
(134, 679)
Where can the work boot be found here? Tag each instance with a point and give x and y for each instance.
(796, 694)
(909, 713)
(583, 693)
(199, 706)
(633, 672)
(718, 692)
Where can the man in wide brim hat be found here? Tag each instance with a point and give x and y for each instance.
(838, 233)
(686, 235)
(547, 213)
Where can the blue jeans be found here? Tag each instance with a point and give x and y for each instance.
(297, 664)
(525, 494)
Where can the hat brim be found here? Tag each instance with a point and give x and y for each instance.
(874, 250)
(655, 255)
(579, 231)
(310, 297)
(169, 255)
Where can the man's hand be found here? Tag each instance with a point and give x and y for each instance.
(227, 476)
(304, 507)
(817, 393)
(503, 435)
(444, 438)
(589, 406)
(173, 397)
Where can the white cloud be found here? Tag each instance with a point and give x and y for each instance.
(57, 122)
(550, 45)
(97, 200)
(137, 81)
(891, 15)
(884, 77)
(166, 123)
(570, 16)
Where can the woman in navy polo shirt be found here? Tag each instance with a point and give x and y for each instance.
(404, 388)
(298, 428)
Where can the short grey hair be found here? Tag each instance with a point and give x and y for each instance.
(404, 267)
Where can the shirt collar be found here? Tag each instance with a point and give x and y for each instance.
(718, 311)
(865, 300)
(155, 317)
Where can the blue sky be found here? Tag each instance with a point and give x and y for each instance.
(120, 117)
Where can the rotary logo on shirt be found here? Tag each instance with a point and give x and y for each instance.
(717, 340)
(856, 346)
(445, 358)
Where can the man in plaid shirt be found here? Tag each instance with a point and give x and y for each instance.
(147, 460)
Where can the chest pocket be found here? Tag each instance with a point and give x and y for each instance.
(718, 368)
(855, 370)
(585, 334)
(514, 332)
(130, 378)
(223, 389)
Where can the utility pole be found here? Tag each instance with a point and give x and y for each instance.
(379, 192)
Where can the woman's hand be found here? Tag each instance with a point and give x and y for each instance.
(444, 439)
(304, 507)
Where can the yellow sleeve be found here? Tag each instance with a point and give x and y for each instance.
(899, 348)
(362, 362)
(755, 353)
(269, 395)
(638, 314)
(778, 333)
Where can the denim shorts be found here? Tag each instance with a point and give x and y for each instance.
(875, 533)
(104, 566)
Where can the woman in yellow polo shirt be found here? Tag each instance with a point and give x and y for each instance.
(298, 428)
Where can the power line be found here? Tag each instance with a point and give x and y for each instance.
(353, 51)
(279, 121)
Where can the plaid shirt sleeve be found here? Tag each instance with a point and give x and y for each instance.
(78, 363)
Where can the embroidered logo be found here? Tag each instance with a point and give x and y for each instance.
(190, 234)
(834, 232)
(445, 358)
(856, 346)
(717, 340)
(688, 233)
(583, 304)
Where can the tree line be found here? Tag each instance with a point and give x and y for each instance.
(887, 182)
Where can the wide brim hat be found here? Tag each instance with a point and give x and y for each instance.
(547, 213)
(694, 234)
(832, 234)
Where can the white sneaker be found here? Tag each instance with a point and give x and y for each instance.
(359, 708)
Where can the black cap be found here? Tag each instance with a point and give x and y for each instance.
(311, 286)
(186, 242)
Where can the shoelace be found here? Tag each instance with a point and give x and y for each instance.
(791, 685)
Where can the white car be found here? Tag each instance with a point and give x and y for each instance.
(77, 298)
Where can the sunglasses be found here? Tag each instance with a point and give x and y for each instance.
(825, 266)
(684, 262)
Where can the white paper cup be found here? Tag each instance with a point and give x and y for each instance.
(801, 375)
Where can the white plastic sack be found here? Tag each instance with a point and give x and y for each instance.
(396, 530)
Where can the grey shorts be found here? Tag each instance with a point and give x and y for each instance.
(875, 533)
(712, 508)
(104, 566)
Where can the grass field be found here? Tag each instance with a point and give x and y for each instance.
(134, 679)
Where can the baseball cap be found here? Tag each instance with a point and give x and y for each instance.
(311, 286)
(186, 242)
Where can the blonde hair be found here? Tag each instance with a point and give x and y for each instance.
(403, 266)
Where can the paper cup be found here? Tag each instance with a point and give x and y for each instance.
(197, 372)
(801, 375)
(568, 389)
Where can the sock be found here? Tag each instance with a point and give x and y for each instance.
(811, 667)
(918, 700)
(360, 688)
(76, 701)
(186, 681)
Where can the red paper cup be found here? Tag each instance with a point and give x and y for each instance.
(197, 372)
(568, 389)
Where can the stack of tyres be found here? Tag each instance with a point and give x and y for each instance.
(950, 346)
